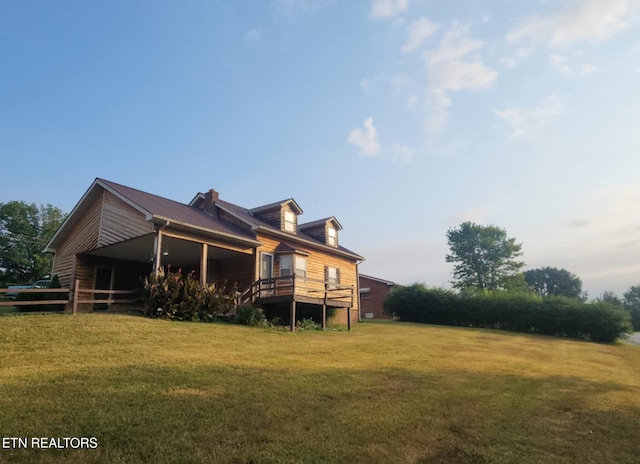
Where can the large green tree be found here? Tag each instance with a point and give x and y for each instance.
(548, 281)
(25, 229)
(632, 305)
(484, 257)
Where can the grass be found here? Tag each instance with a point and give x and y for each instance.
(167, 392)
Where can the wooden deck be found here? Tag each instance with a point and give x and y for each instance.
(294, 289)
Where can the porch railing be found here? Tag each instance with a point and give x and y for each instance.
(296, 286)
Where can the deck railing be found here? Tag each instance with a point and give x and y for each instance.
(296, 286)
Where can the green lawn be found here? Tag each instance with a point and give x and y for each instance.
(167, 392)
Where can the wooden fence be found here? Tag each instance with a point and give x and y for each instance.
(73, 298)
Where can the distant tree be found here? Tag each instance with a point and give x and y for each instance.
(548, 281)
(516, 283)
(484, 257)
(632, 305)
(25, 230)
(610, 297)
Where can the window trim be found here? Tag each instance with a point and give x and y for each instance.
(290, 260)
(303, 270)
(328, 279)
(332, 240)
(291, 222)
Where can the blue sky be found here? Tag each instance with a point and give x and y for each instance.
(402, 118)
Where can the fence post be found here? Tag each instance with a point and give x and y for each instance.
(76, 293)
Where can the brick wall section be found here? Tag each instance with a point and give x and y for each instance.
(373, 305)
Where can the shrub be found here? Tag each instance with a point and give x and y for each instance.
(250, 315)
(308, 324)
(182, 298)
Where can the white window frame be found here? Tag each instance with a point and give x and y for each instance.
(286, 263)
(289, 221)
(300, 263)
(332, 236)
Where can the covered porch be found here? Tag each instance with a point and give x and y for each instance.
(122, 266)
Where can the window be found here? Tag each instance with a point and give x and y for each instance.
(333, 276)
(365, 293)
(286, 262)
(289, 221)
(301, 267)
(332, 237)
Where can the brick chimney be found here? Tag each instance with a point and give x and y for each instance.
(209, 201)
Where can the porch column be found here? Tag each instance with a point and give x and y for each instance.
(324, 308)
(348, 318)
(293, 316)
(204, 261)
(157, 246)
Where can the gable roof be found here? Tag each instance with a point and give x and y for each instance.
(162, 210)
(320, 222)
(257, 224)
(277, 205)
(156, 209)
(376, 279)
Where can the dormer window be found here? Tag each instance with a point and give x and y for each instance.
(332, 236)
(289, 221)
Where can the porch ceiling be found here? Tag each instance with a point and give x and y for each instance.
(179, 253)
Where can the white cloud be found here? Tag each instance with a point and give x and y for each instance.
(402, 153)
(366, 140)
(453, 66)
(511, 61)
(419, 31)
(522, 121)
(439, 115)
(588, 20)
(387, 9)
(561, 64)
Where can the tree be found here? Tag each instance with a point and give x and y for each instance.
(632, 305)
(25, 230)
(548, 281)
(485, 257)
(610, 297)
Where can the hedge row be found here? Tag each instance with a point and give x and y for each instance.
(558, 316)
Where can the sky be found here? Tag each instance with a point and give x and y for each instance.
(401, 118)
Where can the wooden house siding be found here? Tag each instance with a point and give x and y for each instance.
(232, 271)
(317, 261)
(120, 221)
(83, 237)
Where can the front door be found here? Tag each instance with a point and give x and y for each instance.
(104, 281)
(266, 272)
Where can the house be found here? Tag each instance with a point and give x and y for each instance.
(372, 293)
(116, 235)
